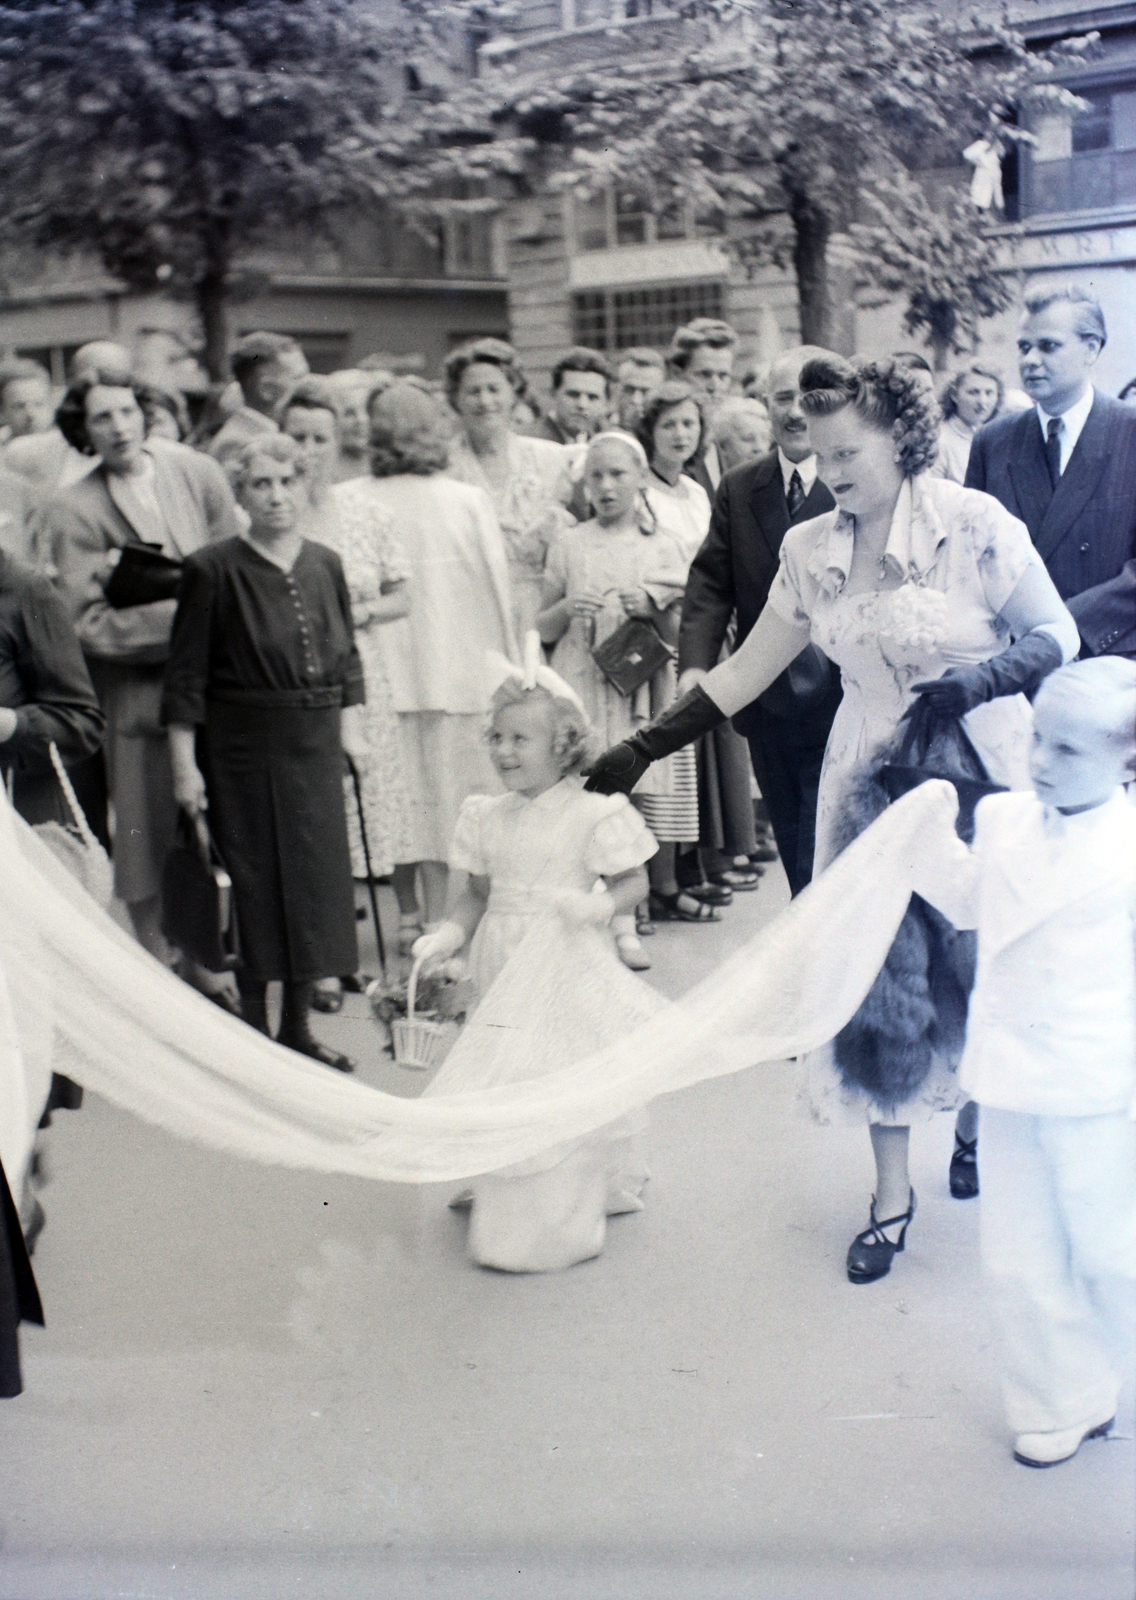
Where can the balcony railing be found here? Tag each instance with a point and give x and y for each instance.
(1102, 181)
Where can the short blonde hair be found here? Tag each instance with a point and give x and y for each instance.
(573, 742)
(1106, 685)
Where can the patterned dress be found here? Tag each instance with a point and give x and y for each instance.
(371, 557)
(591, 558)
(530, 509)
(954, 557)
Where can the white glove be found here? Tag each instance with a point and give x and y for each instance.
(439, 945)
(583, 908)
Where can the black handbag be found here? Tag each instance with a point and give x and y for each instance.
(198, 912)
(143, 574)
(630, 657)
(939, 747)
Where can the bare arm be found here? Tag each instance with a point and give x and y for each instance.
(1035, 603)
(771, 646)
(467, 895)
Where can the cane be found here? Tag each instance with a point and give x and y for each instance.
(354, 771)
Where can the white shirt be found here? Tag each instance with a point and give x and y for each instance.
(806, 469)
(1052, 1023)
(1072, 422)
(136, 496)
(712, 461)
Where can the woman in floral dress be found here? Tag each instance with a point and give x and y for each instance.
(913, 586)
(527, 480)
(376, 571)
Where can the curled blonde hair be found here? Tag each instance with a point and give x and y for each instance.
(574, 744)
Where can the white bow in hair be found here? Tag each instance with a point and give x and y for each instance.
(533, 674)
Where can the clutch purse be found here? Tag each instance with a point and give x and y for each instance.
(630, 657)
(936, 747)
(144, 574)
(198, 914)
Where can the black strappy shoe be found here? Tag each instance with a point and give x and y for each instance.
(964, 1168)
(870, 1253)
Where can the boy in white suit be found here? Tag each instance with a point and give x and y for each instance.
(1050, 885)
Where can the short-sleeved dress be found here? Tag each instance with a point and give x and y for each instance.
(371, 557)
(571, 995)
(589, 557)
(954, 557)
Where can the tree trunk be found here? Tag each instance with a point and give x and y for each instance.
(213, 309)
(811, 229)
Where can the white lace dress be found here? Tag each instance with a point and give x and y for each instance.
(954, 557)
(551, 994)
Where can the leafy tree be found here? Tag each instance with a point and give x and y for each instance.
(168, 137)
(939, 258)
(776, 117)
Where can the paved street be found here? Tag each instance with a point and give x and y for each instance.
(262, 1383)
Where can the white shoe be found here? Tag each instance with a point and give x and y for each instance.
(1061, 1444)
(632, 953)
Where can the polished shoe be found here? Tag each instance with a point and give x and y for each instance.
(964, 1169)
(1049, 1449)
(870, 1253)
(319, 1052)
(765, 850)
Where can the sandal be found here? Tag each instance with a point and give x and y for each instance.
(632, 953)
(964, 1169)
(765, 850)
(712, 894)
(666, 908)
(871, 1253)
(737, 877)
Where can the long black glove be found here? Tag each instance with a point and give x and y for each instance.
(1018, 670)
(619, 769)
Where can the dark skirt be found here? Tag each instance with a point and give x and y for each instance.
(273, 766)
(19, 1297)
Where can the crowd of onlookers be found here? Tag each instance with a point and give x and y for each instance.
(461, 515)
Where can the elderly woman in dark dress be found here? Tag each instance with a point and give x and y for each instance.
(261, 689)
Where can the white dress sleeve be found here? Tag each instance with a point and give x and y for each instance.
(794, 589)
(468, 852)
(620, 842)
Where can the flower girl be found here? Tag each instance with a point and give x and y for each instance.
(536, 875)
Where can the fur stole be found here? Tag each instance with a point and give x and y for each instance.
(916, 1009)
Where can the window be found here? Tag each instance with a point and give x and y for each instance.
(617, 217)
(1087, 164)
(615, 319)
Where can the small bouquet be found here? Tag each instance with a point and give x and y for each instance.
(444, 994)
(912, 621)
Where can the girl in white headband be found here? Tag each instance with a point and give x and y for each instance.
(536, 875)
(599, 574)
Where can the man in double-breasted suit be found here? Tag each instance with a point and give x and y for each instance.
(787, 727)
(1067, 467)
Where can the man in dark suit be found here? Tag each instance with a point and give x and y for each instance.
(1067, 467)
(788, 726)
(581, 391)
(701, 353)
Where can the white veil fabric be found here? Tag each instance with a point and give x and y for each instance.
(78, 993)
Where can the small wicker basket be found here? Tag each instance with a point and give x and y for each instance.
(419, 1043)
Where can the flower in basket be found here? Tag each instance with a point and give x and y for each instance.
(445, 994)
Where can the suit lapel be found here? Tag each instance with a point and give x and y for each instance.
(767, 502)
(1029, 473)
(1080, 478)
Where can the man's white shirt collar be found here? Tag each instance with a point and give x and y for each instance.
(1073, 422)
(807, 469)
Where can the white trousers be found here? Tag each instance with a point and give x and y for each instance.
(1058, 1228)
